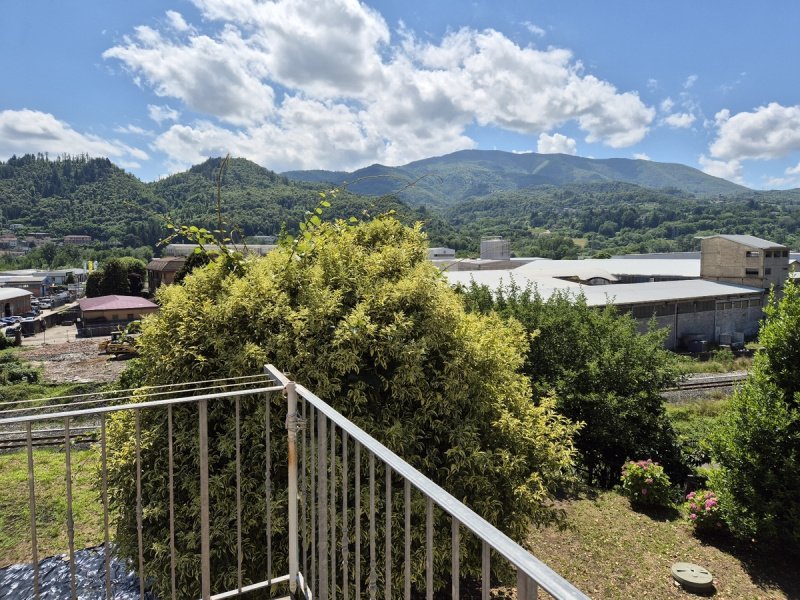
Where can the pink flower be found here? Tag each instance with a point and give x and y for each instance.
(693, 506)
(691, 495)
(693, 516)
(710, 503)
(644, 491)
(649, 480)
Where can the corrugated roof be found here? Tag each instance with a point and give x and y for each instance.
(599, 295)
(585, 269)
(115, 303)
(170, 263)
(748, 240)
(9, 293)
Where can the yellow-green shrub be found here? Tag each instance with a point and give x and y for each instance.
(361, 318)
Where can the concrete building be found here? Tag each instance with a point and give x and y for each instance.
(187, 249)
(745, 260)
(161, 271)
(77, 240)
(441, 254)
(14, 301)
(495, 248)
(37, 285)
(104, 314)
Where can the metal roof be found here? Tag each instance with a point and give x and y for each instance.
(599, 295)
(594, 267)
(10, 293)
(115, 303)
(748, 240)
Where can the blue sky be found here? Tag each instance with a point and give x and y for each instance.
(338, 84)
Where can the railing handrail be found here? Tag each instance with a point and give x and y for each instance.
(138, 405)
(539, 572)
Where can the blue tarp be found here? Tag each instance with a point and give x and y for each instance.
(16, 581)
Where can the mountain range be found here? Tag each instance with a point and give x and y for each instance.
(547, 205)
(448, 180)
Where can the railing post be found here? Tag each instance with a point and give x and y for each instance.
(291, 426)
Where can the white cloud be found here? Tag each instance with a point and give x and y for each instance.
(176, 21)
(641, 156)
(680, 120)
(690, 81)
(133, 130)
(556, 144)
(730, 170)
(771, 131)
(29, 131)
(652, 84)
(793, 170)
(667, 104)
(534, 29)
(336, 66)
(159, 114)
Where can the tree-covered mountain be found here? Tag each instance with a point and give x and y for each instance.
(81, 195)
(448, 180)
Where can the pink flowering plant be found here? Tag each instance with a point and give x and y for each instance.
(703, 508)
(644, 482)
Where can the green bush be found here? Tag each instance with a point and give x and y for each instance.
(703, 509)
(605, 374)
(645, 483)
(757, 443)
(358, 315)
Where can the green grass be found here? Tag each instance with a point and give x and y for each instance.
(611, 551)
(721, 361)
(51, 504)
(694, 420)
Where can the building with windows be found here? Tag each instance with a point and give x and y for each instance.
(745, 260)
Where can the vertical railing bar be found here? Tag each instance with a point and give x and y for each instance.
(70, 520)
(387, 578)
(171, 461)
(322, 499)
(345, 523)
(357, 517)
(522, 585)
(313, 495)
(139, 518)
(455, 559)
(428, 548)
(291, 452)
(407, 545)
(32, 508)
(104, 495)
(238, 497)
(485, 570)
(268, 482)
(373, 580)
(205, 543)
(304, 495)
(333, 511)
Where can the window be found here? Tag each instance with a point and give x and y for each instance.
(767, 271)
(753, 254)
(785, 254)
(769, 254)
(751, 272)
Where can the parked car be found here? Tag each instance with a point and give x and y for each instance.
(11, 331)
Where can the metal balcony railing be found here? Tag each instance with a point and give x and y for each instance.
(343, 520)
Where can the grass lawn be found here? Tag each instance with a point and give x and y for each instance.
(612, 551)
(51, 504)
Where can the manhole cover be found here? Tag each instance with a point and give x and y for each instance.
(692, 577)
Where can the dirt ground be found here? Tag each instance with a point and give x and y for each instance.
(67, 360)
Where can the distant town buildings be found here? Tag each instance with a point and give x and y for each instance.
(77, 240)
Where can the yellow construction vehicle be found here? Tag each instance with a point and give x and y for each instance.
(122, 342)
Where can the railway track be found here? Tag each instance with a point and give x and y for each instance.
(42, 438)
(709, 382)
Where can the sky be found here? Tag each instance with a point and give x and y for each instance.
(159, 85)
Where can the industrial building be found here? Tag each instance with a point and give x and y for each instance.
(14, 301)
(714, 297)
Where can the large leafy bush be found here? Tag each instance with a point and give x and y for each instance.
(605, 374)
(757, 443)
(358, 315)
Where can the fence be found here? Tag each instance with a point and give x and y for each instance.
(358, 520)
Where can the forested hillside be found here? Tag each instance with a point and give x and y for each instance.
(82, 195)
(448, 180)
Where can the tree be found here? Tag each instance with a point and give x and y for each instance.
(757, 444)
(123, 276)
(357, 314)
(604, 373)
